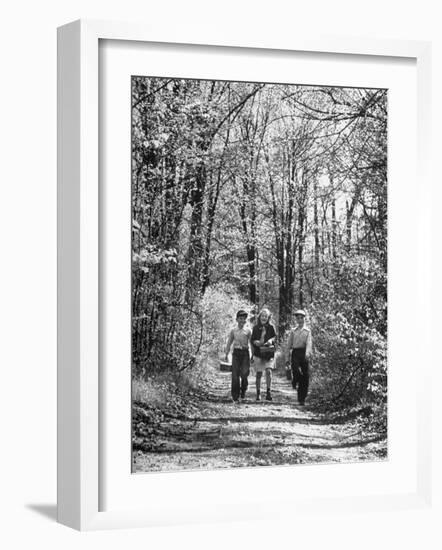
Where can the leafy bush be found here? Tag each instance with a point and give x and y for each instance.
(174, 336)
(166, 328)
(349, 325)
(219, 306)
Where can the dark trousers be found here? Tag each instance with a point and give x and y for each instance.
(300, 373)
(240, 372)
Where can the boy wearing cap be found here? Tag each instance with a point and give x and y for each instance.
(299, 351)
(240, 338)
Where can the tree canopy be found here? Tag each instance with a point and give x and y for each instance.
(265, 195)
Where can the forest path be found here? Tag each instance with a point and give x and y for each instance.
(221, 434)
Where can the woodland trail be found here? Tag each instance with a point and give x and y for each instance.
(221, 434)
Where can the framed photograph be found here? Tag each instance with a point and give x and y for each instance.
(241, 249)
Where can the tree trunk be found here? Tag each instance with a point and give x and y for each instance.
(195, 250)
(249, 235)
(316, 225)
(334, 232)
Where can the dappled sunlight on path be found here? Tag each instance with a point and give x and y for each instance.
(251, 433)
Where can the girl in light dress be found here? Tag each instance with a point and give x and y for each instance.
(263, 335)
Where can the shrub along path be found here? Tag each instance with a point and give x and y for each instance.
(207, 430)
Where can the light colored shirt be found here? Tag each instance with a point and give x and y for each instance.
(300, 338)
(240, 337)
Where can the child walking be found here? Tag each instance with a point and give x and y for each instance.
(240, 338)
(263, 336)
(299, 352)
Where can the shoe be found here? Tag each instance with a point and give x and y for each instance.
(269, 396)
(243, 395)
(258, 395)
(235, 401)
(302, 404)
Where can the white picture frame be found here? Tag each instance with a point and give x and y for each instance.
(79, 264)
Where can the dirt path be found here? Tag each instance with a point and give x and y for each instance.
(221, 434)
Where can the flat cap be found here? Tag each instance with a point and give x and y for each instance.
(299, 312)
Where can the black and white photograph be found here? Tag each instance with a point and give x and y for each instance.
(259, 274)
(221, 225)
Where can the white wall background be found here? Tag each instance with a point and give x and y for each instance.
(28, 268)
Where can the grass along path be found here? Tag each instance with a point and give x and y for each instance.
(215, 433)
